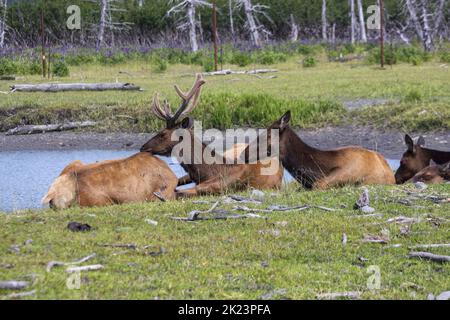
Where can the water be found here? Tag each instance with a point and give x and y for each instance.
(25, 176)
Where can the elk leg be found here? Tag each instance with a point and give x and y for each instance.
(184, 180)
(211, 186)
(336, 178)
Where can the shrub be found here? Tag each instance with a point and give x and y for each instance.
(160, 65)
(241, 59)
(413, 96)
(445, 57)
(208, 64)
(7, 67)
(270, 57)
(60, 69)
(309, 62)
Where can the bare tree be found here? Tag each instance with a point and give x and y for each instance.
(353, 21)
(253, 23)
(324, 20)
(102, 23)
(107, 21)
(294, 30)
(4, 6)
(230, 11)
(362, 22)
(188, 8)
(426, 23)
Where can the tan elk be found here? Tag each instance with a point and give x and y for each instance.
(141, 177)
(416, 158)
(320, 169)
(210, 178)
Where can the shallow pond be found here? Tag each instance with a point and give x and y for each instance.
(26, 175)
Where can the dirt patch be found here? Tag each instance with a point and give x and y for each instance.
(389, 143)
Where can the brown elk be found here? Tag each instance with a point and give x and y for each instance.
(433, 174)
(319, 169)
(211, 178)
(417, 158)
(141, 177)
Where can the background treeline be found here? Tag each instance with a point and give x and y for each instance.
(147, 23)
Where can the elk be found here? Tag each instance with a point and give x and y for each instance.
(212, 178)
(141, 177)
(318, 169)
(433, 174)
(417, 158)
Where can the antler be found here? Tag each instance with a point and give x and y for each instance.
(188, 104)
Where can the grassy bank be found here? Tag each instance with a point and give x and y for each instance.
(419, 95)
(299, 253)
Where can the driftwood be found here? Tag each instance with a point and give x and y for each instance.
(7, 78)
(428, 246)
(84, 268)
(33, 129)
(52, 264)
(61, 87)
(429, 256)
(20, 294)
(13, 285)
(338, 295)
(228, 71)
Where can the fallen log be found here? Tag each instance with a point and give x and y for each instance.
(33, 129)
(52, 264)
(228, 72)
(13, 285)
(84, 268)
(7, 78)
(339, 295)
(60, 87)
(429, 256)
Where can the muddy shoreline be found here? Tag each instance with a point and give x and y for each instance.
(389, 143)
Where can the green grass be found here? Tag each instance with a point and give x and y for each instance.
(232, 259)
(314, 94)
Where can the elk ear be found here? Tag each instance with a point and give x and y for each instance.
(187, 123)
(409, 143)
(421, 141)
(284, 120)
(432, 163)
(446, 168)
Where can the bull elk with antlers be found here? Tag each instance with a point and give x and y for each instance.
(210, 178)
(141, 177)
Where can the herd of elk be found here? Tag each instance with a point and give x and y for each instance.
(417, 158)
(144, 177)
(211, 178)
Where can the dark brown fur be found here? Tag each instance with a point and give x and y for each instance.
(417, 158)
(433, 174)
(214, 178)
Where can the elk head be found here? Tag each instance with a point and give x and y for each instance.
(413, 160)
(433, 174)
(161, 143)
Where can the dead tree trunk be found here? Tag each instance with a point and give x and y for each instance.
(230, 11)
(192, 26)
(324, 20)
(294, 30)
(353, 21)
(141, 3)
(254, 32)
(59, 87)
(362, 22)
(427, 36)
(3, 23)
(102, 23)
